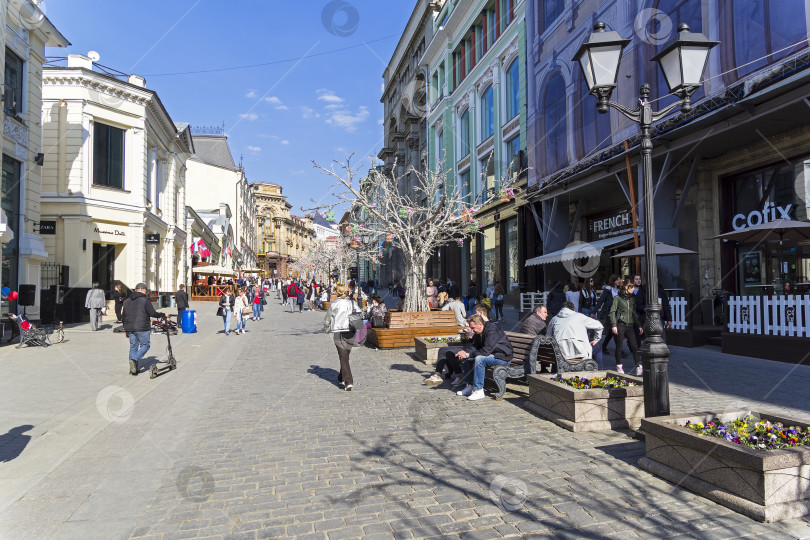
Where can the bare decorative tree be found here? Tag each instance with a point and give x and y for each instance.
(321, 257)
(418, 221)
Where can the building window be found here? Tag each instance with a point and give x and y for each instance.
(108, 156)
(513, 89)
(595, 132)
(512, 283)
(13, 84)
(513, 156)
(487, 166)
(10, 202)
(464, 130)
(464, 186)
(547, 13)
(556, 153)
(756, 31)
(487, 123)
(440, 154)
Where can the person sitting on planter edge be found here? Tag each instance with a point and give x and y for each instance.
(489, 347)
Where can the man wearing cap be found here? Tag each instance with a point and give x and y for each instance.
(137, 313)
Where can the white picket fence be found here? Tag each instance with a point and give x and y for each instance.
(530, 299)
(773, 315)
(677, 305)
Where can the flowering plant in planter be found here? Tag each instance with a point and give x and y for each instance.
(583, 383)
(762, 435)
(449, 341)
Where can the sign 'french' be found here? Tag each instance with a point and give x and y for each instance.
(769, 213)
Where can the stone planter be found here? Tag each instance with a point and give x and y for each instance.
(429, 352)
(766, 485)
(587, 410)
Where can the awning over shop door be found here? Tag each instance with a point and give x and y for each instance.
(581, 250)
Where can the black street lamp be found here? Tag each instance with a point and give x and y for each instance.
(683, 61)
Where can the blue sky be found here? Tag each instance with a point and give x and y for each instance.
(279, 117)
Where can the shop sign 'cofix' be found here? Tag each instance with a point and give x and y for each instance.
(770, 212)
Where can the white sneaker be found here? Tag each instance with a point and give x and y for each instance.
(433, 379)
(619, 368)
(466, 392)
(476, 395)
(639, 371)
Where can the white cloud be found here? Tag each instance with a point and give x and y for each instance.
(254, 148)
(380, 122)
(308, 112)
(299, 172)
(273, 99)
(251, 94)
(346, 120)
(285, 141)
(328, 96)
(334, 106)
(341, 150)
(282, 108)
(249, 116)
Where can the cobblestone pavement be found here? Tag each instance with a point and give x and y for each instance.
(252, 438)
(283, 452)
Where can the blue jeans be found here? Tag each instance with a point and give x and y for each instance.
(257, 310)
(226, 317)
(240, 321)
(479, 369)
(597, 354)
(139, 343)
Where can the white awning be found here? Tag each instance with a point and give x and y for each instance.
(579, 250)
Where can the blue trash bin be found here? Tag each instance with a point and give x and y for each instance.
(189, 323)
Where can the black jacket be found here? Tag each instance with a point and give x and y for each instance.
(555, 300)
(453, 291)
(181, 299)
(491, 342)
(137, 312)
(641, 303)
(222, 301)
(472, 292)
(603, 304)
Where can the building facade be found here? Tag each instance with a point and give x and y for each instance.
(740, 157)
(476, 130)
(404, 109)
(26, 31)
(214, 179)
(283, 237)
(113, 179)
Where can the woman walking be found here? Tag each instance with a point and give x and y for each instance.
(119, 297)
(226, 303)
(337, 323)
(624, 323)
(95, 302)
(258, 297)
(239, 304)
(497, 300)
(588, 298)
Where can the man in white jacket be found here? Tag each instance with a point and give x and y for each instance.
(570, 329)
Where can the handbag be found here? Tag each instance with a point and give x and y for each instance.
(220, 312)
(356, 319)
(104, 310)
(247, 311)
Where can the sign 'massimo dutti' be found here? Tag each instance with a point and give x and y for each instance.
(769, 212)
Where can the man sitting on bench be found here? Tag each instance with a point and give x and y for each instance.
(489, 347)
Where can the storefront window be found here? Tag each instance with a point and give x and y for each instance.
(488, 258)
(758, 197)
(512, 262)
(10, 202)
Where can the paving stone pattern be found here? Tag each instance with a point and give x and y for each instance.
(283, 452)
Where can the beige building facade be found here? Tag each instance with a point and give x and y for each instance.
(113, 180)
(282, 237)
(25, 33)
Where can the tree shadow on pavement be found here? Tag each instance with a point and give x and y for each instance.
(14, 442)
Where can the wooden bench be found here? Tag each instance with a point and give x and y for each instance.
(531, 352)
(32, 335)
(403, 326)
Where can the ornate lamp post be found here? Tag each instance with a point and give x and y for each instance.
(683, 61)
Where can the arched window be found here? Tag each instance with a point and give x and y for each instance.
(594, 129)
(487, 117)
(464, 133)
(513, 89)
(754, 32)
(556, 152)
